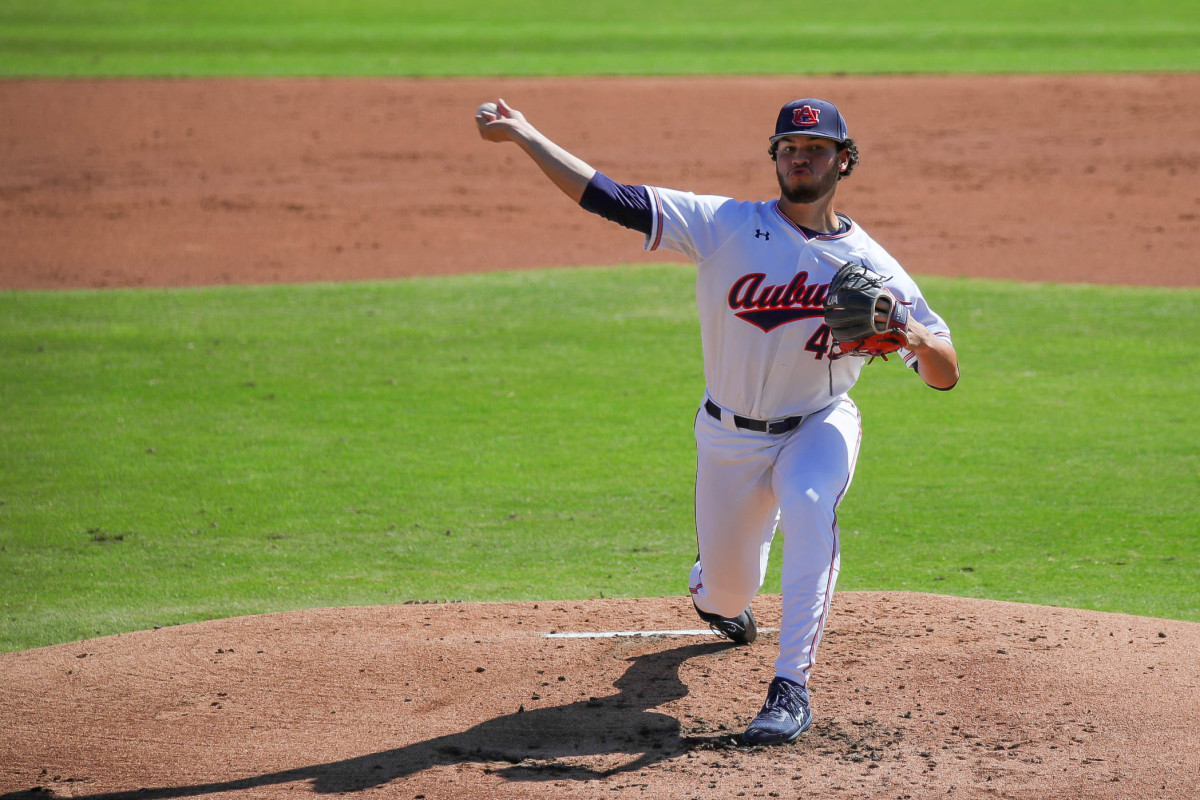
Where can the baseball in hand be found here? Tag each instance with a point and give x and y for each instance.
(490, 108)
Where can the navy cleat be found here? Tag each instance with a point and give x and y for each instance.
(739, 630)
(784, 716)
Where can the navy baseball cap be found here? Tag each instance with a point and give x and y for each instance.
(811, 117)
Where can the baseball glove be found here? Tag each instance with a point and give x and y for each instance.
(865, 318)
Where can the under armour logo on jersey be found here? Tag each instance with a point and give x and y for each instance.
(806, 115)
(764, 234)
(768, 307)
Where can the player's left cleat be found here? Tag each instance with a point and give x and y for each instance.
(739, 630)
(784, 716)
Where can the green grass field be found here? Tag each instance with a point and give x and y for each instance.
(178, 455)
(170, 456)
(617, 37)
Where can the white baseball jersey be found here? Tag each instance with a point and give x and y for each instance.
(760, 288)
(761, 283)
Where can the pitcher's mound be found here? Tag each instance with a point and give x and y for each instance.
(915, 696)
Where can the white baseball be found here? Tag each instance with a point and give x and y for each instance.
(488, 107)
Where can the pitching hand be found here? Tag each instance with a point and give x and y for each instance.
(498, 125)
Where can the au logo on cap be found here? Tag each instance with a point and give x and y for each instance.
(806, 115)
(810, 116)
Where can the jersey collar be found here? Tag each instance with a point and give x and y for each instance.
(846, 228)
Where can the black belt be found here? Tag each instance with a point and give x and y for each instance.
(774, 427)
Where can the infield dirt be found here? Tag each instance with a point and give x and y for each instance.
(164, 183)
(167, 183)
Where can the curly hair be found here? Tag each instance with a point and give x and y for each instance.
(849, 145)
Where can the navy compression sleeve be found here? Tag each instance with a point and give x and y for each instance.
(623, 204)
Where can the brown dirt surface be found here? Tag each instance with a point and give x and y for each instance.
(169, 183)
(164, 183)
(916, 696)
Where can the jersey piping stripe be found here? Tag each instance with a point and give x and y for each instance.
(656, 220)
(827, 237)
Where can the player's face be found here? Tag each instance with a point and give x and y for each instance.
(807, 167)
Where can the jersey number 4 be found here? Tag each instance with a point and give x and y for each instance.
(820, 342)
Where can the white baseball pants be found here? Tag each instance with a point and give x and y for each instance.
(748, 484)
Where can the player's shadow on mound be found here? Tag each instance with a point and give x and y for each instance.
(536, 745)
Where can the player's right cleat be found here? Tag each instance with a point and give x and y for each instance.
(739, 630)
(784, 716)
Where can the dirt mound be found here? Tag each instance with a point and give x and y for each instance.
(915, 696)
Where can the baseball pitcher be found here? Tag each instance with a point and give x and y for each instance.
(791, 296)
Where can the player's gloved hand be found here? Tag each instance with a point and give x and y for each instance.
(863, 316)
